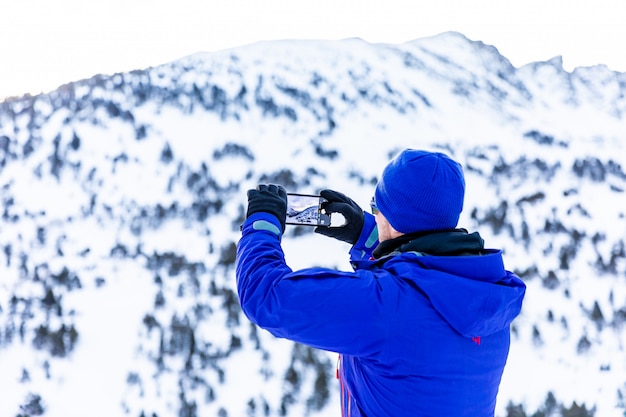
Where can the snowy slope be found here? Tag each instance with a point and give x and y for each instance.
(122, 198)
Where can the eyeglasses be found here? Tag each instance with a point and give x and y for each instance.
(373, 206)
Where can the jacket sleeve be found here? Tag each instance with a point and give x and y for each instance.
(368, 240)
(320, 307)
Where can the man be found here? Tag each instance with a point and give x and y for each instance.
(422, 325)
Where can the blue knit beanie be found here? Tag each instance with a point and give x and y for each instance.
(421, 191)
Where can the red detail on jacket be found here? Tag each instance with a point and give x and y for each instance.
(345, 393)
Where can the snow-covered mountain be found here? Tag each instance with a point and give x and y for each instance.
(122, 198)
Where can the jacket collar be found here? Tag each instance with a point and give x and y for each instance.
(448, 242)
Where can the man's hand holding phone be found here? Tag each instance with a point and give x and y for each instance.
(309, 210)
(337, 202)
(268, 198)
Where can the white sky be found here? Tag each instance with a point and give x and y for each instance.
(46, 43)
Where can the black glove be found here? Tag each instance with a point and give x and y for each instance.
(270, 199)
(339, 203)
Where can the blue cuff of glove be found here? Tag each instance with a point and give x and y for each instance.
(368, 240)
(262, 222)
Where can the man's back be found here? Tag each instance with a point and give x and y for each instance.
(447, 338)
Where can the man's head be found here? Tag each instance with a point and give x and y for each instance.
(421, 191)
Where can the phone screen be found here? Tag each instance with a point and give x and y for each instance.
(304, 209)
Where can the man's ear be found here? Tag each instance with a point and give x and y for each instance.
(394, 232)
(385, 229)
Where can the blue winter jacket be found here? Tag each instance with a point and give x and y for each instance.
(418, 335)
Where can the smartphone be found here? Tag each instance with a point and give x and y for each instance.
(306, 210)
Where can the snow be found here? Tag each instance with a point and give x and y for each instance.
(380, 99)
